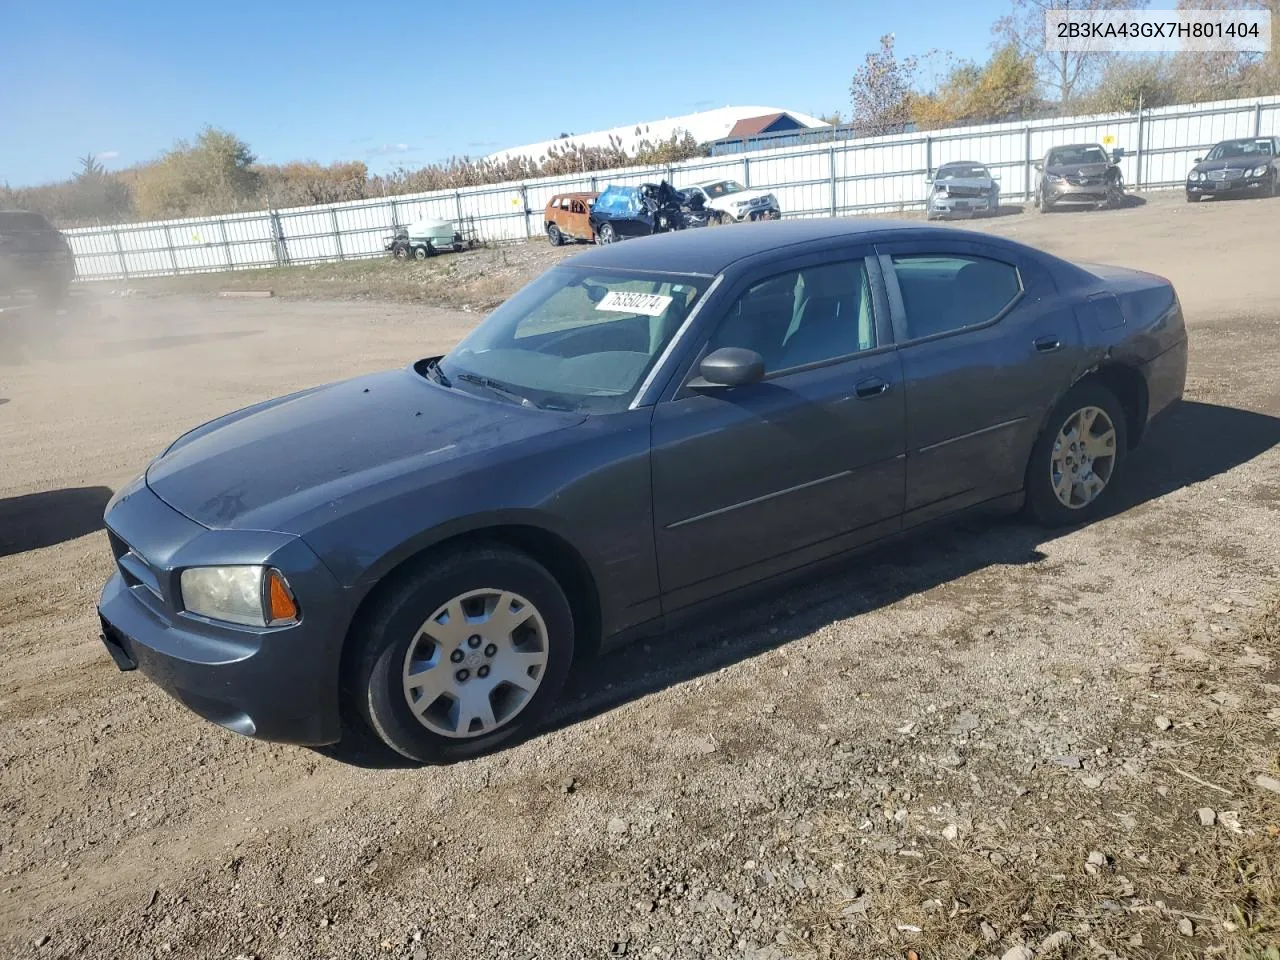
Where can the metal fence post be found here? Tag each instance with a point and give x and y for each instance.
(746, 171)
(395, 216)
(1137, 175)
(124, 267)
(831, 162)
(282, 247)
(226, 242)
(1257, 119)
(173, 257)
(337, 233)
(457, 204)
(1026, 168)
(524, 202)
(928, 156)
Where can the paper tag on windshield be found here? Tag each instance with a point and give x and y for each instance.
(645, 304)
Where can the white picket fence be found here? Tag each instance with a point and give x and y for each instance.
(876, 174)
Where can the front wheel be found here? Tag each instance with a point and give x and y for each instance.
(554, 236)
(1193, 198)
(1076, 464)
(421, 253)
(465, 655)
(1115, 195)
(606, 233)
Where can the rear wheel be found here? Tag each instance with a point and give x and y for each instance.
(1076, 464)
(466, 655)
(554, 236)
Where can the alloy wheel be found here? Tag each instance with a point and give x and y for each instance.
(475, 663)
(1083, 458)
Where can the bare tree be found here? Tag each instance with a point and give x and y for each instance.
(881, 91)
(1064, 74)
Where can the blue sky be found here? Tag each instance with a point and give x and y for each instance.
(395, 83)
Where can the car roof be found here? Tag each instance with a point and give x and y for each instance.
(962, 163)
(710, 250)
(575, 195)
(1072, 146)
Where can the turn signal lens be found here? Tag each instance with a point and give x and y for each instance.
(281, 607)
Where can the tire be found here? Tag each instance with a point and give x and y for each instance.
(1275, 184)
(606, 234)
(421, 253)
(391, 638)
(1043, 500)
(401, 252)
(725, 220)
(1193, 198)
(1115, 195)
(554, 236)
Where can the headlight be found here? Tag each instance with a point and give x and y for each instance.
(1259, 171)
(249, 595)
(1053, 178)
(940, 189)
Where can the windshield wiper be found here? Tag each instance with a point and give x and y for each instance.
(496, 387)
(435, 373)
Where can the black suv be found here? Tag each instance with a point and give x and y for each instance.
(33, 256)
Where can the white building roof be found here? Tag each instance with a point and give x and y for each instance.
(705, 126)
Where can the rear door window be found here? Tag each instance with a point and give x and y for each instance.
(942, 293)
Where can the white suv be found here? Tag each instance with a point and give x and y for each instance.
(734, 202)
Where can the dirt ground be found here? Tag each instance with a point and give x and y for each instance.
(991, 742)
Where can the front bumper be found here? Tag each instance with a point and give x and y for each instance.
(1254, 186)
(766, 212)
(1075, 193)
(272, 683)
(959, 206)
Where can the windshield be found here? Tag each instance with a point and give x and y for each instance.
(1069, 156)
(1240, 148)
(575, 338)
(722, 188)
(618, 201)
(961, 171)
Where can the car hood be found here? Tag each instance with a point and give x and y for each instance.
(1081, 169)
(264, 467)
(1231, 163)
(731, 199)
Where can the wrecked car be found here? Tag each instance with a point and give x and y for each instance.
(622, 212)
(962, 189)
(1079, 173)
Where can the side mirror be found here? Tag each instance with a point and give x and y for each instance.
(1117, 154)
(729, 367)
(995, 176)
(1037, 165)
(1198, 160)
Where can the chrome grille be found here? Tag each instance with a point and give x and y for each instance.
(1220, 175)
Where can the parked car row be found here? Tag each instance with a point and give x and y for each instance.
(619, 212)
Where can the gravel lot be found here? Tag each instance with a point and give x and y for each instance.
(989, 742)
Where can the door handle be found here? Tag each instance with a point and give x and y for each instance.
(1047, 344)
(874, 387)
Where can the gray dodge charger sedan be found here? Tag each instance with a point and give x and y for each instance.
(635, 434)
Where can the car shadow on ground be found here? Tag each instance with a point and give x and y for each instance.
(1192, 443)
(36, 520)
(1131, 201)
(1009, 210)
